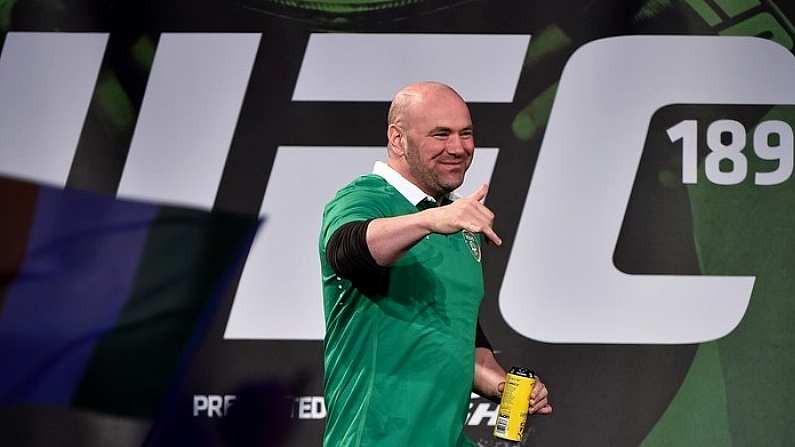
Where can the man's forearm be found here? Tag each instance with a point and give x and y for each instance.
(390, 237)
(488, 375)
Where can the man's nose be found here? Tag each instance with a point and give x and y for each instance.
(455, 145)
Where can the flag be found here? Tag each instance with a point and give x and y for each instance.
(102, 301)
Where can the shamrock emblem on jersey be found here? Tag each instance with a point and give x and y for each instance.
(472, 242)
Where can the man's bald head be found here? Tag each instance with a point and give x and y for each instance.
(430, 138)
(399, 110)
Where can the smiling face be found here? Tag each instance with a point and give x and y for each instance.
(435, 140)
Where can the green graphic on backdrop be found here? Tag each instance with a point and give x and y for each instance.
(698, 414)
(533, 117)
(744, 227)
(737, 228)
(6, 6)
(741, 229)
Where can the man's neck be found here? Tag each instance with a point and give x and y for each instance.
(403, 170)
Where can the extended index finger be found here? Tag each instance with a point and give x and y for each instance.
(492, 236)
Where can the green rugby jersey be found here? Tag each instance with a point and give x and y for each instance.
(399, 368)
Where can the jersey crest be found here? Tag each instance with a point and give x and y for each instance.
(472, 242)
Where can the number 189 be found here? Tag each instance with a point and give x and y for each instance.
(782, 150)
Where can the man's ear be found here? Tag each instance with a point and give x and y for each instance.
(396, 139)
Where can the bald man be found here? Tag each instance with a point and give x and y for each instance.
(402, 284)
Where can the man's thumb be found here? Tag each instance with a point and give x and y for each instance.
(480, 193)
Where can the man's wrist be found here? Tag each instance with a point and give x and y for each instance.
(425, 221)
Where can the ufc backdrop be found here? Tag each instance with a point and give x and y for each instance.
(639, 156)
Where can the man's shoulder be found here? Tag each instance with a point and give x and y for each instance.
(367, 182)
(367, 196)
(370, 187)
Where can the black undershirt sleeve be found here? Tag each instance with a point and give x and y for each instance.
(480, 339)
(349, 256)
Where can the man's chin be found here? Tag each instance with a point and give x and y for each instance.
(451, 186)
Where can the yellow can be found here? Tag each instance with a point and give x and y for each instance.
(512, 414)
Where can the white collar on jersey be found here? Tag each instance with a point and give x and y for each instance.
(409, 190)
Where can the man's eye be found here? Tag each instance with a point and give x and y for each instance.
(440, 135)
